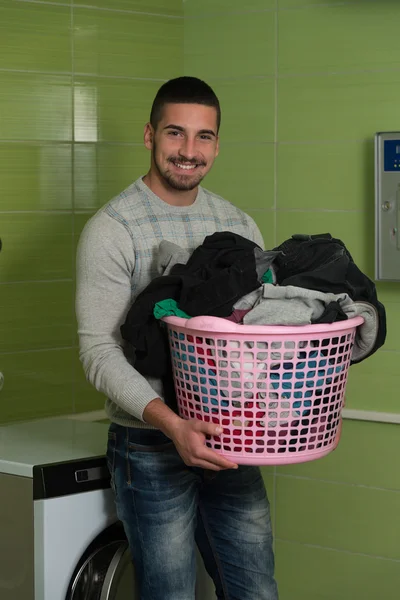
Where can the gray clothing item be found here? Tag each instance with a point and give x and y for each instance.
(288, 305)
(170, 254)
(292, 305)
(117, 258)
(367, 332)
(250, 300)
(264, 260)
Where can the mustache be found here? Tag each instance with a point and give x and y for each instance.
(191, 161)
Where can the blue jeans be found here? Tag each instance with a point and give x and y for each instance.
(166, 507)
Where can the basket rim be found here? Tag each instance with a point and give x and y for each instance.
(212, 325)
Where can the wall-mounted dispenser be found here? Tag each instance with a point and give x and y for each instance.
(387, 206)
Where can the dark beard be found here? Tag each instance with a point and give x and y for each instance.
(178, 182)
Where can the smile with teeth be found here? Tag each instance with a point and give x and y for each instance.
(185, 167)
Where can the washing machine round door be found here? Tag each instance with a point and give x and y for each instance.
(106, 574)
(119, 582)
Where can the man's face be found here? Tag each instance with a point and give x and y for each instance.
(184, 144)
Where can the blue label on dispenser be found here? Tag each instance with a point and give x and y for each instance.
(391, 154)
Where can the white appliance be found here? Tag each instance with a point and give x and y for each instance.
(60, 538)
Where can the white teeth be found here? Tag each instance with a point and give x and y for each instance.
(186, 167)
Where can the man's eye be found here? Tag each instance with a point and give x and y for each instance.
(206, 137)
(174, 133)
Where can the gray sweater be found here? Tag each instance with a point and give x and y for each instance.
(116, 260)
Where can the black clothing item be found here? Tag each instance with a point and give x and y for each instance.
(302, 254)
(332, 313)
(321, 262)
(146, 345)
(218, 273)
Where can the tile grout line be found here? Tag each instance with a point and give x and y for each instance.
(234, 13)
(73, 267)
(62, 211)
(126, 12)
(231, 78)
(274, 233)
(335, 73)
(64, 4)
(275, 216)
(49, 142)
(70, 142)
(38, 350)
(274, 496)
(335, 482)
(326, 4)
(307, 210)
(99, 8)
(324, 141)
(240, 77)
(32, 281)
(340, 550)
(140, 144)
(322, 210)
(255, 208)
(80, 73)
(120, 77)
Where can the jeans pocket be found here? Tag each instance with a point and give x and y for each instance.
(140, 440)
(150, 447)
(110, 457)
(147, 452)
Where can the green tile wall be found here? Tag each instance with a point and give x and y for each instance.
(76, 83)
(126, 44)
(304, 86)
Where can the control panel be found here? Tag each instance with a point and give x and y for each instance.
(387, 206)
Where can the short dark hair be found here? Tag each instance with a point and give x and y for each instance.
(184, 90)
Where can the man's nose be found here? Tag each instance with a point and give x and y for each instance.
(188, 148)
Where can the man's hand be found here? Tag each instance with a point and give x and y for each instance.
(188, 436)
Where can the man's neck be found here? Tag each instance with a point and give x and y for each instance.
(169, 194)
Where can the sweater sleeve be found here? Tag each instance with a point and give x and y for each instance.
(105, 262)
(255, 234)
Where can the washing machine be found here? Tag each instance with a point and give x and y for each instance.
(60, 538)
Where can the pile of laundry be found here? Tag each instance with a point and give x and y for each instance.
(307, 279)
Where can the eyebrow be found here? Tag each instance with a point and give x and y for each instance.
(179, 128)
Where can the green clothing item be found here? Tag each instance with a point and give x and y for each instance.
(168, 307)
(267, 277)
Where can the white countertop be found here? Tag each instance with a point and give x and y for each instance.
(24, 445)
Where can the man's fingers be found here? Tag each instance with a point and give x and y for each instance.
(203, 464)
(208, 428)
(206, 454)
(191, 446)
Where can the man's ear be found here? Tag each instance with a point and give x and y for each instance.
(148, 136)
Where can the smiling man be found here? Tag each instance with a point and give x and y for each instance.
(171, 490)
(184, 143)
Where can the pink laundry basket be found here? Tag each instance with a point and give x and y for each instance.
(277, 391)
